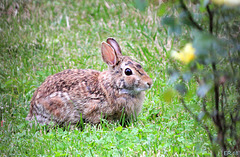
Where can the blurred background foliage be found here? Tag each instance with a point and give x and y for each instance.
(212, 58)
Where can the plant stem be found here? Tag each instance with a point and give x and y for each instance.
(183, 6)
(210, 14)
(218, 118)
(199, 121)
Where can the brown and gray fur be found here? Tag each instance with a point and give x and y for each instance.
(68, 96)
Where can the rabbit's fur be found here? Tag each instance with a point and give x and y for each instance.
(75, 94)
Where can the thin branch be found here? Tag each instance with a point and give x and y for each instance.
(234, 41)
(219, 118)
(184, 7)
(216, 86)
(199, 121)
(204, 107)
(210, 14)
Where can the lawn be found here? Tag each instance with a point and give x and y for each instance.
(46, 37)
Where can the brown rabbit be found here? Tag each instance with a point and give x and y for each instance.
(89, 95)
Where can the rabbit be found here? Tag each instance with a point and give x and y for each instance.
(89, 95)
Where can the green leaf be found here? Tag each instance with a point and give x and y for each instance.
(184, 19)
(168, 95)
(162, 10)
(203, 89)
(168, 20)
(206, 44)
(173, 26)
(120, 128)
(181, 88)
(201, 115)
(174, 77)
(206, 2)
(140, 4)
(187, 76)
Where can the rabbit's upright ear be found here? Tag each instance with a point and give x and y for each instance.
(108, 54)
(115, 45)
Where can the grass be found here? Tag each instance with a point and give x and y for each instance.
(46, 37)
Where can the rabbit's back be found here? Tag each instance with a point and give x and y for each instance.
(82, 81)
(67, 97)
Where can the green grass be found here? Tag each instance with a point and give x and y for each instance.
(38, 42)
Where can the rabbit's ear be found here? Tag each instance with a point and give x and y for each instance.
(115, 45)
(108, 54)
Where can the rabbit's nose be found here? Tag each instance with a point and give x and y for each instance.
(149, 83)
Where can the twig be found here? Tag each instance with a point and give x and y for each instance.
(204, 107)
(199, 121)
(210, 14)
(219, 118)
(183, 6)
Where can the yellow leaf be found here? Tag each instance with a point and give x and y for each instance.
(186, 55)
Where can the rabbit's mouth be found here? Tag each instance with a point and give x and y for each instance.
(133, 91)
(140, 89)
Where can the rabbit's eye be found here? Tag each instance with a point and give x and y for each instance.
(128, 71)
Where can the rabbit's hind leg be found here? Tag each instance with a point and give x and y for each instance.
(49, 111)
